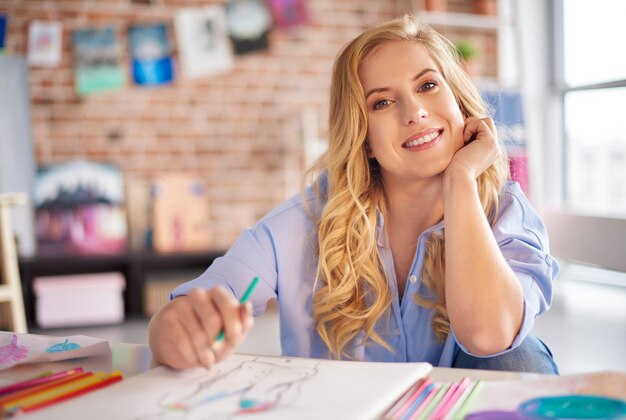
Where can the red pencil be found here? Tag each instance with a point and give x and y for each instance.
(37, 381)
(42, 387)
(111, 379)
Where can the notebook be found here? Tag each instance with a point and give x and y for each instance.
(259, 387)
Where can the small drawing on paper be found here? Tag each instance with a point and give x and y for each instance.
(64, 346)
(13, 352)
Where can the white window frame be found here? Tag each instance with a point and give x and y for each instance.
(581, 238)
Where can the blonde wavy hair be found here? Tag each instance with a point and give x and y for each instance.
(352, 291)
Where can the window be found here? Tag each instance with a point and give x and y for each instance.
(581, 149)
(592, 80)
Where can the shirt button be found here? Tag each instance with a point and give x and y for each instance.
(413, 278)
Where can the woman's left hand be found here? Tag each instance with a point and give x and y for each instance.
(478, 154)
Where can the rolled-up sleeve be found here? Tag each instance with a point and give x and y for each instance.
(251, 255)
(523, 241)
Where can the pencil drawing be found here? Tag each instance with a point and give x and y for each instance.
(251, 386)
(12, 352)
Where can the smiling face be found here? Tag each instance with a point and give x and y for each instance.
(414, 122)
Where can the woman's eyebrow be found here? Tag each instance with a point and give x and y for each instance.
(383, 89)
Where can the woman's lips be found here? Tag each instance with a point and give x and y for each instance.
(423, 141)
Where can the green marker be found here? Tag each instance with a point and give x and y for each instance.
(465, 406)
(243, 300)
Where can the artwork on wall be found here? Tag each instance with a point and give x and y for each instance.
(96, 60)
(44, 43)
(150, 54)
(3, 31)
(249, 23)
(180, 214)
(288, 13)
(79, 209)
(509, 118)
(203, 41)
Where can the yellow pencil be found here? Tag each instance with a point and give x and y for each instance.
(109, 380)
(53, 393)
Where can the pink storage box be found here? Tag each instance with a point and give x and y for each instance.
(77, 300)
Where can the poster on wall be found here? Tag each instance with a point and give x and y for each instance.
(203, 42)
(150, 55)
(288, 13)
(44, 43)
(79, 209)
(180, 214)
(96, 61)
(3, 31)
(249, 23)
(509, 118)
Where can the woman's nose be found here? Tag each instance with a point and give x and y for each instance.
(414, 111)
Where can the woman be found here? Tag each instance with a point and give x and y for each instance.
(360, 263)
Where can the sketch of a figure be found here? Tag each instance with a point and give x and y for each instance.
(252, 386)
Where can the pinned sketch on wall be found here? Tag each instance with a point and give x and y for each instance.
(509, 118)
(249, 23)
(96, 60)
(79, 209)
(267, 387)
(44, 43)
(16, 349)
(203, 42)
(150, 54)
(3, 32)
(180, 214)
(288, 13)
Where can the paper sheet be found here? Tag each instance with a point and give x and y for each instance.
(17, 349)
(507, 395)
(255, 387)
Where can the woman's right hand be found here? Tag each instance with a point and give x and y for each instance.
(183, 333)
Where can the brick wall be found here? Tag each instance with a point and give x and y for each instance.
(240, 131)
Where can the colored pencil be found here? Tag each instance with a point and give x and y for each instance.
(457, 404)
(390, 413)
(462, 411)
(106, 381)
(433, 403)
(42, 387)
(417, 402)
(449, 398)
(244, 299)
(37, 381)
(431, 395)
(54, 392)
(424, 383)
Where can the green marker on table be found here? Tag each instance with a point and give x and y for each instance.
(243, 300)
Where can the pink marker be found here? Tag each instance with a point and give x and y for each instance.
(451, 397)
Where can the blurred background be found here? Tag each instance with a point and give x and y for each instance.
(145, 134)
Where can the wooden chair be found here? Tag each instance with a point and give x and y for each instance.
(10, 284)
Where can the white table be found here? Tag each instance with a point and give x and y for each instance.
(132, 359)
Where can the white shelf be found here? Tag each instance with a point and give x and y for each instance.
(465, 20)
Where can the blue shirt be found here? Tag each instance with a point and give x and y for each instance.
(280, 249)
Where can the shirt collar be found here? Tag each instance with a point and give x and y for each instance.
(381, 238)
